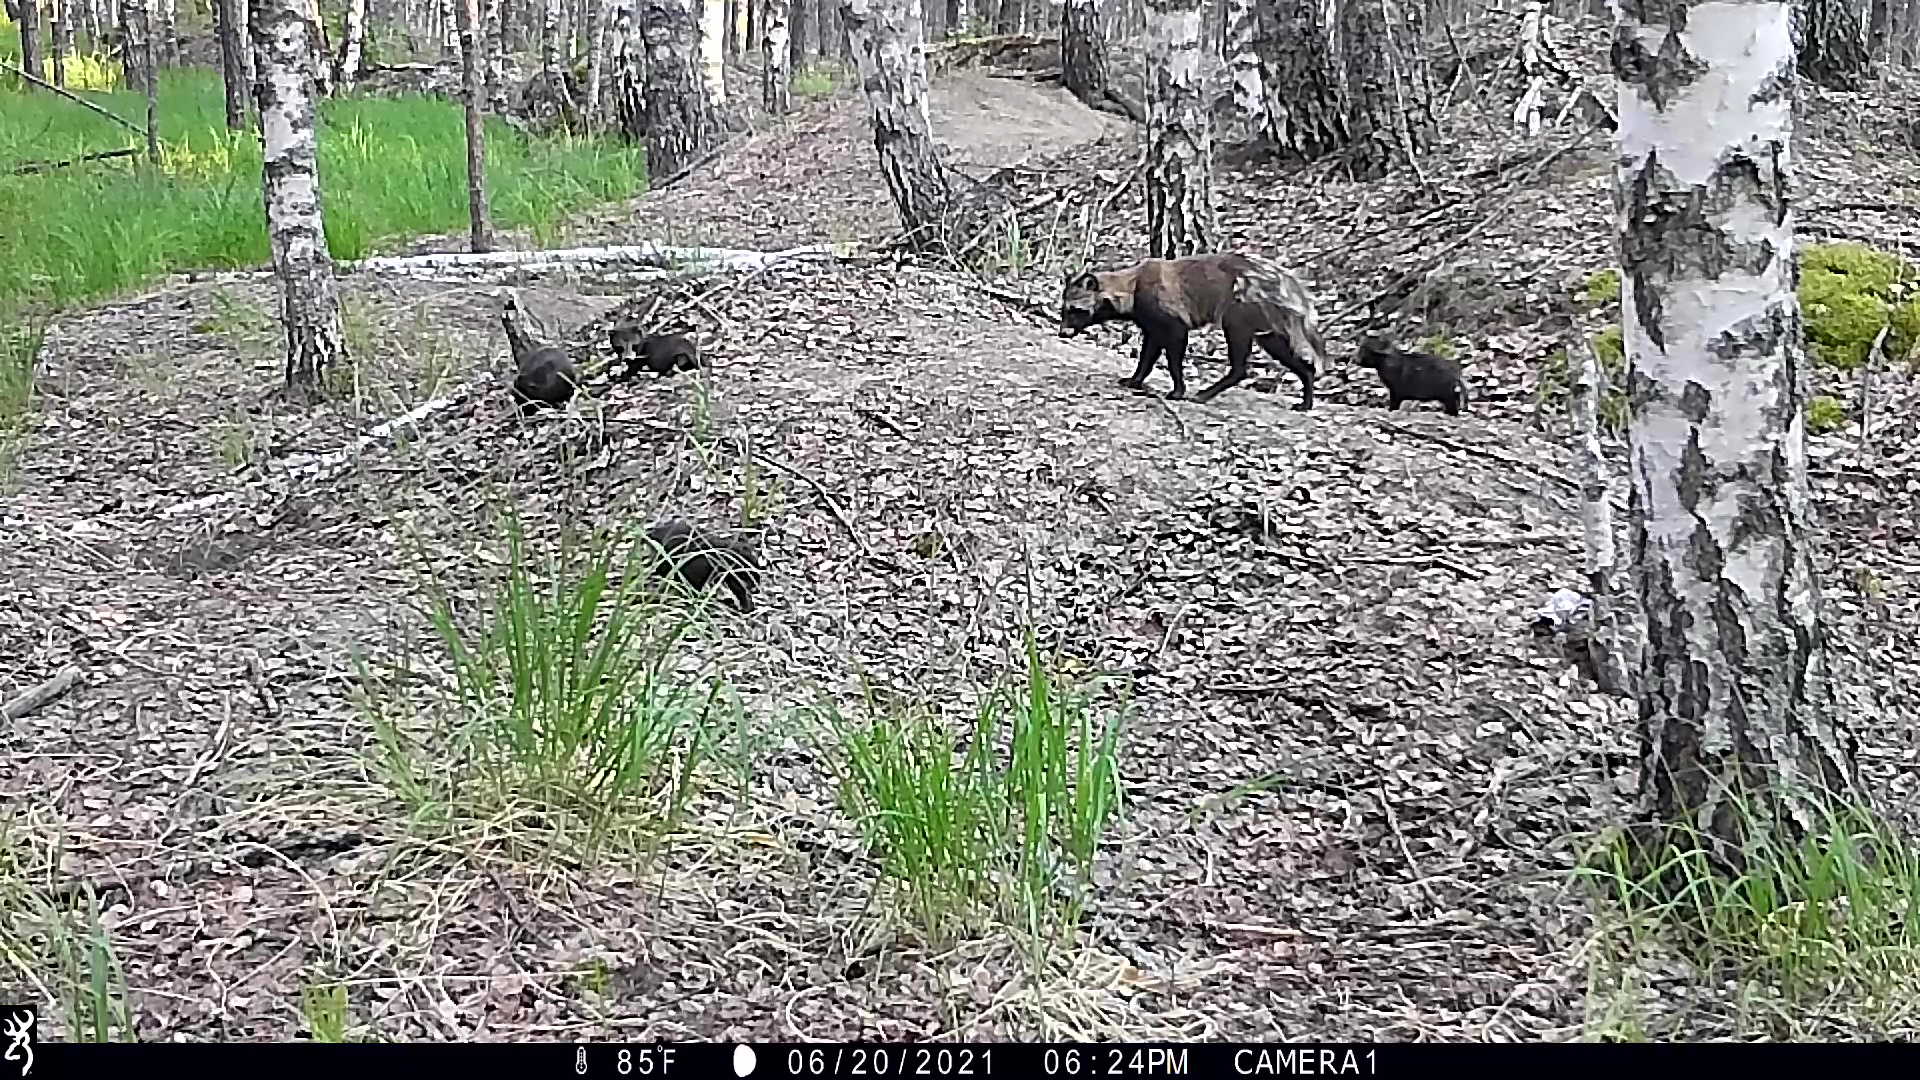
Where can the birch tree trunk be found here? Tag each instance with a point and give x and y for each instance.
(1739, 731)
(62, 39)
(629, 94)
(233, 69)
(776, 76)
(309, 305)
(138, 16)
(29, 24)
(713, 49)
(1833, 43)
(1007, 21)
(596, 63)
(353, 36)
(1180, 214)
(496, 46)
(474, 67)
(804, 33)
(876, 35)
(1247, 87)
(680, 119)
(549, 37)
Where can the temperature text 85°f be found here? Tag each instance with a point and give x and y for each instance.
(1115, 1061)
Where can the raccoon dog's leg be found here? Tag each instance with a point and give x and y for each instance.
(1285, 349)
(1239, 347)
(1149, 355)
(1177, 362)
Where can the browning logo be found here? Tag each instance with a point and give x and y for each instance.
(18, 1036)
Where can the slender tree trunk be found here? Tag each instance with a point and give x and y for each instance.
(776, 77)
(742, 15)
(1007, 21)
(62, 39)
(805, 33)
(29, 24)
(233, 64)
(1248, 89)
(138, 16)
(877, 35)
(309, 305)
(630, 98)
(353, 34)
(596, 63)
(1740, 734)
(1180, 214)
(496, 49)
(549, 38)
(960, 17)
(1833, 43)
(474, 66)
(713, 49)
(680, 119)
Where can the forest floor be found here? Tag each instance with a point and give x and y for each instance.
(1355, 783)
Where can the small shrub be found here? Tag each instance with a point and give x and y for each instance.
(324, 1006)
(1825, 415)
(20, 340)
(1440, 345)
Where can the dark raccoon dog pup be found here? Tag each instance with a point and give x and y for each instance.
(1414, 376)
(703, 557)
(545, 375)
(661, 354)
(1253, 301)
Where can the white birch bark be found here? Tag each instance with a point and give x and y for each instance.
(1180, 208)
(776, 74)
(309, 307)
(1247, 85)
(1740, 733)
(596, 63)
(353, 34)
(713, 49)
(877, 36)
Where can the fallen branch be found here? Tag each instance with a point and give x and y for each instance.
(47, 691)
(632, 257)
(83, 102)
(28, 168)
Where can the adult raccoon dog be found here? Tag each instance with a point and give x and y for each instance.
(661, 354)
(1252, 299)
(1414, 376)
(701, 557)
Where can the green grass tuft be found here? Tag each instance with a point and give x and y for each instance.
(557, 695)
(1003, 830)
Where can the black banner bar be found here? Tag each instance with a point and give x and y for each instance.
(934, 1061)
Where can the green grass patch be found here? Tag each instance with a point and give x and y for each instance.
(54, 942)
(1002, 830)
(389, 168)
(1831, 920)
(552, 700)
